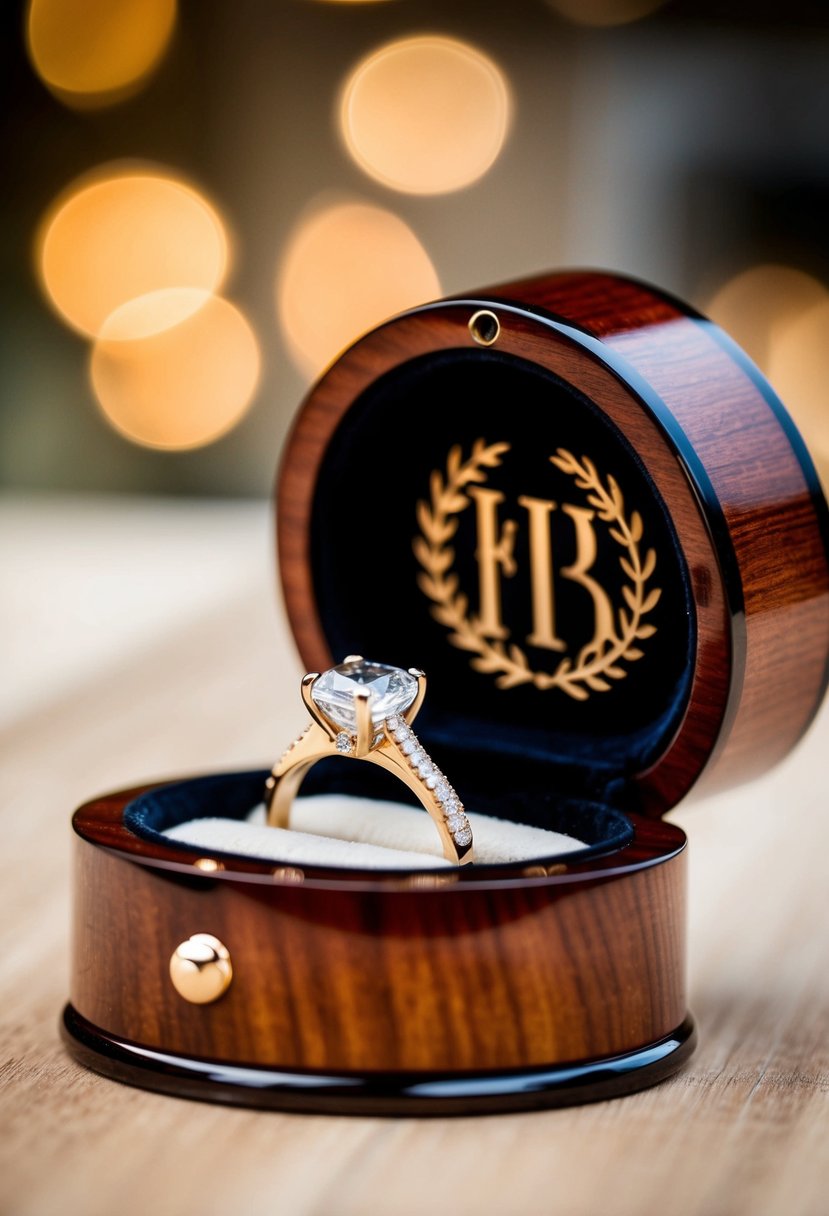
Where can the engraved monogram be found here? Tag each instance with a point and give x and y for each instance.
(616, 628)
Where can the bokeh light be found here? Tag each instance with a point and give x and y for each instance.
(755, 304)
(120, 235)
(95, 52)
(604, 12)
(347, 267)
(799, 370)
(175, 369)
(425, 115)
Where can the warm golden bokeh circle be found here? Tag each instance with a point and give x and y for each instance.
(799, 371)
(756, 303)
(425, 115)
(176, 368)
(604, 12)
(347, 267)
(97, 51)
(122, 235)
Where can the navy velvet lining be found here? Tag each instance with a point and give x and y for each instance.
(234, 795)
(490, 738)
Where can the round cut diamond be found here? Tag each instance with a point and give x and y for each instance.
(424, 768)
(456, 822)
(343, 743)
(442, 791)
(462, 836)
(416, 757)
(391, 691)
(408, 747)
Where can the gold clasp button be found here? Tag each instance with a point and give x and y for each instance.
(200, 969)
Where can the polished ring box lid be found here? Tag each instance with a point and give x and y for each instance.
(582, 510)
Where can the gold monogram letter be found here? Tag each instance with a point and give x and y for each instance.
(494, 553)
(577, 573)
(541, 574)
(617, 632)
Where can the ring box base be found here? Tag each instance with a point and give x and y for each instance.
(403, 1094)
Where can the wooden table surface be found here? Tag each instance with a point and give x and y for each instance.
(212, 683)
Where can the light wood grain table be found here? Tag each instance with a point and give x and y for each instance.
(743, 1129)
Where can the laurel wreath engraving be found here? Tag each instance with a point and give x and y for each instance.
(599, 662)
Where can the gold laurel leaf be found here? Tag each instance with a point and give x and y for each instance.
(456, 503)
(443, 560)
(429, 587)
(453, 461)
(427, 523)
(422, 551)
(651, 600)
(492, 456)
(463, 641)
(597, 684)
(575, 691)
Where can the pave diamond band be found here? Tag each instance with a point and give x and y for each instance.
(365, 710)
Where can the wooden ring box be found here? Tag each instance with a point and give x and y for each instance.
(580, 508)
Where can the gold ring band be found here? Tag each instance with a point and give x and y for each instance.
(365, 711)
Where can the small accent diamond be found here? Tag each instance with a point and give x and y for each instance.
(408, 747)
(402, 734)
(463, 836)
(425, 767)
(456, 822)
(416, 757)
(442, 791)
(432, 780)
(344, 744)
(393, 722)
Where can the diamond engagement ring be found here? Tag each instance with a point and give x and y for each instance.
(365, 710)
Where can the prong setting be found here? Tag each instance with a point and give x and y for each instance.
(413, 710)
(365, 730)
(308, 681)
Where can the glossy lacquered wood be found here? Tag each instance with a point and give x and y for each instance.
(410, 1093)
(727, 462)
(348, 974)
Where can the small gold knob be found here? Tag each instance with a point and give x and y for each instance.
(200, 969)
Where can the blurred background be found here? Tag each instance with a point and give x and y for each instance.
(205, 201)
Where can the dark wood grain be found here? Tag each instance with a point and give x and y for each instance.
(385, 974)
(738, 492)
